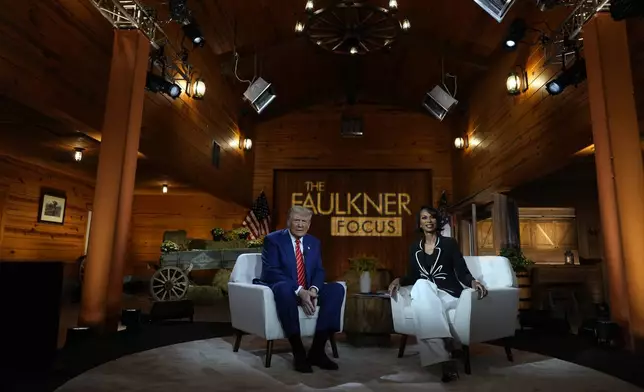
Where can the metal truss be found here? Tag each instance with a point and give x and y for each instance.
(566, 41)
(132, 15)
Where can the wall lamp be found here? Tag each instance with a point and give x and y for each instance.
(517, 81)
(245, 143)
(164, 188)
(461, 142)
(78, 154)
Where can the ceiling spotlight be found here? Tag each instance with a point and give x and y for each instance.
(156, 84)
(353, 50)
(439, 102)
(568, 77)
(192, 31)
(164, 188)
(309, 6)
(393, 5)
(516, 33)
(405, 25)
(78, 154)
(259, 94)
(299, 27)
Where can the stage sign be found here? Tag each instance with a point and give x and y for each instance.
(357, 214)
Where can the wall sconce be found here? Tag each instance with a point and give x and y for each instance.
(461, 142)
(78, 154)
(245, 144)
(198, 89)
(164, 188)
(517, 81)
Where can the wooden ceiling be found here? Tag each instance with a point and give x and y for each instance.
(457, 30)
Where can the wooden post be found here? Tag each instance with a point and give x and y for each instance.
(115, 178)
(474, 249)
(500, 221)
(620, 170)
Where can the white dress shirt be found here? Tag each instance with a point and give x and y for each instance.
(293, 238)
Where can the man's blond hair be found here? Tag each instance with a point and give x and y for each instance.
(299, 210)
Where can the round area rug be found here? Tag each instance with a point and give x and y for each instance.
(211, 365)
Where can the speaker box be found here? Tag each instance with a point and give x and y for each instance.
(30, 298)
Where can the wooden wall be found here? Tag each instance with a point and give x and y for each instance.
(195, 212)
(393, 139)
(379, 221)
(636, 42)
(517, 139)
(21, 236)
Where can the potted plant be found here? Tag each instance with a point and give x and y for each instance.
(242, 233)
(519, 262)
(364, 265)
(169, 246)
(217, 234)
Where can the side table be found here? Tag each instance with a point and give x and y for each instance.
(367, 319)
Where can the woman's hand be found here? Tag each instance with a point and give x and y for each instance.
(478, 286)
(394, 286)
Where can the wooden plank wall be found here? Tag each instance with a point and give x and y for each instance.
(197, 213)
(517, 139)
(23, 238)
(393, 139)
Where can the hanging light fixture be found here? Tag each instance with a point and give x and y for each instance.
(78, 154)
(517, 81)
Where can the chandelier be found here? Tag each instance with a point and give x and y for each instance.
(352, 27)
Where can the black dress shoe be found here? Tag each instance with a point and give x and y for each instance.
(450, 371)
(322, 361)
(302, 365)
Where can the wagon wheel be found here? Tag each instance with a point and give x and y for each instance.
(169, 284)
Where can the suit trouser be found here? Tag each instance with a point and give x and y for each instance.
(330, 300)
(430, 306)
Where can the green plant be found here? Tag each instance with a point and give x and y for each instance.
(256, 243)
(169, 246)
(519, 262)
(217, 232)
(363, 263)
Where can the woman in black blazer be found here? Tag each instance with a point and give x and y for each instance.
(438, 273)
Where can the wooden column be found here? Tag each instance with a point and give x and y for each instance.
(620, 171)
(115, 178)
(500, 221)
(474, 237)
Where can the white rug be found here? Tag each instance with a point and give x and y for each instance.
(210, 365)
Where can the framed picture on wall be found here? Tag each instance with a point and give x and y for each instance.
(52, 207)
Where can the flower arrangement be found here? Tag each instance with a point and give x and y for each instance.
(242, 233)
(256, 243)
(217, 233)
(169, 246)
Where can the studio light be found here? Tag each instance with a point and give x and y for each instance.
(438, 102)
(393, 5)
(156, 84)
(192, 31)
(405, 25)
(516, 33)
(309, 7)
(259, 94)
(517, 81)
(78, 154)
(496, 8)
(568, 77)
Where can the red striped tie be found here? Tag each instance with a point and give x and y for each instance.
(301, 275)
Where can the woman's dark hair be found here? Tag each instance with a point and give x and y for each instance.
(433, 212)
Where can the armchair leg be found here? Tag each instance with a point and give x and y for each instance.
(238, 337)
(269, 353)
(466, 359)
(403, 344)
(334, 346)
(508, 349)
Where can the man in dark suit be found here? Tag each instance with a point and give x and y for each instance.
(292, 267)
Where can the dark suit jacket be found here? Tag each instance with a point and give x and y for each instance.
(279, 264)
(447, 269)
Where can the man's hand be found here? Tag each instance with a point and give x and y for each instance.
(306, 301)
(314, 296)
(478, 286)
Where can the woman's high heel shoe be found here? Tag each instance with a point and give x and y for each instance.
(450, 371)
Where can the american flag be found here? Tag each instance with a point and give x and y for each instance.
(258, 220)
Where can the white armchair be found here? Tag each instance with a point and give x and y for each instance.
(252, 307)
(472, 321)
